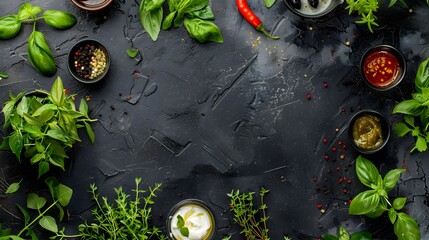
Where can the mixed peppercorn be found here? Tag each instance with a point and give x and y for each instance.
(89, 61)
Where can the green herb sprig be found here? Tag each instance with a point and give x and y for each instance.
(343, 234)
(60, 194)
(126, 219)
(39, 53)
(196, 15)
(253, 221)
(416, 110)
(373, 203)
(44, 127)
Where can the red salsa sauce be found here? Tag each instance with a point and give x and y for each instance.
(381, 68)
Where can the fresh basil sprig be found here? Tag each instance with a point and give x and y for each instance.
(416, 110)
(44, 126)
(196, 15)
(39, 53)
(373, 203)
(181, 225)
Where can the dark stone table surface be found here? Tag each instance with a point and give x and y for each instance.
(203, 119)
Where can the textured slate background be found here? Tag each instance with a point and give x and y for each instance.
(204, 119)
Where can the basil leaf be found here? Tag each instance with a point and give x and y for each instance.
(9, 26)
(392, 215)
(362, 235)
(151, 21)
(399, 203)
(3, 74)
(203, 30)
(59, 19)
(35, 202)
(14, 187)
(343, 234)
(184, 231)
(172, 5)
(401, 129)
(132, 52)
(64, 194)
(150, 5)
(180, 221)
(364, 202)
(43, 168)
(421, 144)
(391, 178)
(24, 213)
(22, 107)
(89, 132)
(269, 3)
(379, 210)
(44, 108)
(186, 6)
(168, 21)
(366, 171)
(328, 237)
(57, 161)
(205, 14)
(39, 54)
(16, 143)
(409, 107)
(57, 92)
(422, 76)
(48, 223)
(27, 10)
(406, 227)
(179, 19)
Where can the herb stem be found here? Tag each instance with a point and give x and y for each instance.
(37, 218)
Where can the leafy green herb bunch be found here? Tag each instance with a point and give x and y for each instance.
(196, 15)
(373, 203)
(44, 126)
(416, 110)
(39, 53)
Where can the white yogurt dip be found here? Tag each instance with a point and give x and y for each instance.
(197, 219)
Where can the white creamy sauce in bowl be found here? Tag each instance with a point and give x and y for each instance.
(197, 219)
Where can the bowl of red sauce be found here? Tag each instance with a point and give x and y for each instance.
(383, 67)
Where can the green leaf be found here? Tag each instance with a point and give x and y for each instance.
(43, 168)
(180, 221)
(399, 203)
(57, 134)
(59, 19)
(364, 202)
(57, 161)
(343, 234)
(184, 231)
(39, 54)
(61, 212)
(16, 143)
(64, 194)
(366, 171)
(400, 129)
(379, 210)
(168, 21)
(44, 108)
(409, 107)
(33, 130)
(186, 6)
(32, 234)
(35, 202)
(422, 76)
(203, 30)
(132, 52)
(391, 178)
(27, 10)
(392, 2)
(49, 223)
(14, 187)
(392, 215)
(150, 5)
(406, 227)
(32, 120)
(89, 132)
(362, 235)
(52, 184)
(37, 157)
(3, 74)
(151, 21)
(9, 26)
(205, 13)
(178, 20)
(57, 92)
(25, 214)
(269, 3)
(328, 237)
(22, 107)
(421, 144)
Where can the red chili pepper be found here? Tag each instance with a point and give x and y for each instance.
(250, 17)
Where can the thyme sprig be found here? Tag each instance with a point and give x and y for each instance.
(253, 221)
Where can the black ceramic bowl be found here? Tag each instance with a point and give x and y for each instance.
(399, 57)
(186, 203)
(92, 5)
(385, 130)
(71, 62)
(324, 7)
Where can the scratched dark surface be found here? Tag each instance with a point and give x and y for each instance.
(204, 119)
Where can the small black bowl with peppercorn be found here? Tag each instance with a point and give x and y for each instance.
(369, 131)
(88, 61)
